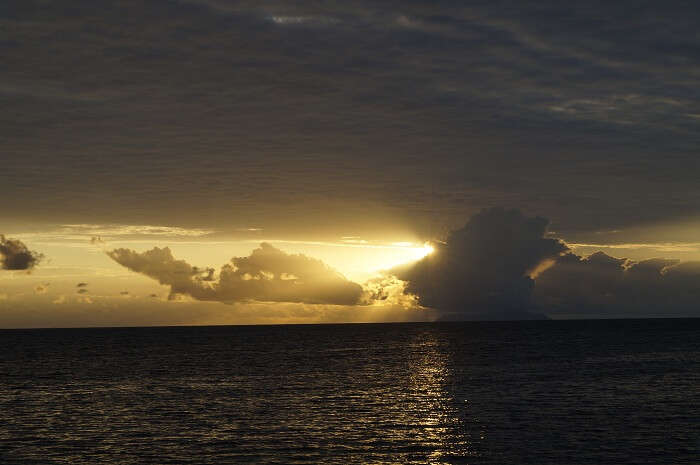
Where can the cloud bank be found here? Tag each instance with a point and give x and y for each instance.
(603, 285)
(14, 255)
(267, 275)
(502, 265)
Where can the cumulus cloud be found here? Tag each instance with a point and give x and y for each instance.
(268, 274)
(14, 255)
(388, 290)
(601, 285)
(483, 269)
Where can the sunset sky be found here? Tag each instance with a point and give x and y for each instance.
(354, 139)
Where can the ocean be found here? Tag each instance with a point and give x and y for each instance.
(537, 392)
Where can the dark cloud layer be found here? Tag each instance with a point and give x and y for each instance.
(14, 255)
(268, 274)
(361, 112)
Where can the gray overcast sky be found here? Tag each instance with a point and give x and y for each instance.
(330, 118)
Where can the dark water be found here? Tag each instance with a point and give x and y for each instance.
(577, 392)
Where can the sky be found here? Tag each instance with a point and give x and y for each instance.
(359, 134)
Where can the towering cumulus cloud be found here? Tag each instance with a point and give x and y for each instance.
(14, 255)
(483, 270)
(268, 274)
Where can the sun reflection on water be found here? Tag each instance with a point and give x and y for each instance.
(432, 405)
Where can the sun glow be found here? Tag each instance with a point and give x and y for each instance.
(382, 258)
(427, 249)
(357, 258)
(409, 252)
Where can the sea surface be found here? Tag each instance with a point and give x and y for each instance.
(539, 392)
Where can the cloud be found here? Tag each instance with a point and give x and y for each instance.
(502, 265)
(159, 263)
(482, 270)
(97, 231)
(658, 246)
(268, 274)
(388, 290)
(601, 285)
(14, 255)
(100, 234)
(358, 99)
(305, 20)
